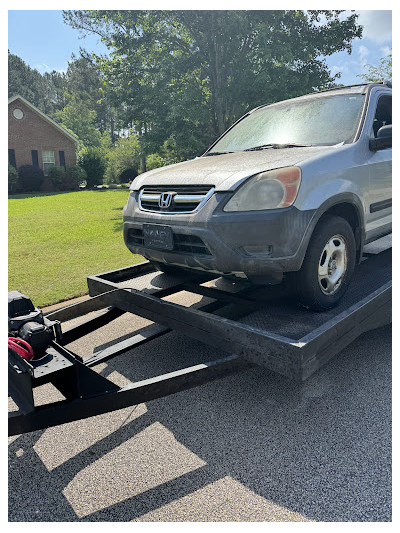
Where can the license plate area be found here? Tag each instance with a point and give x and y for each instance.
(158, 236)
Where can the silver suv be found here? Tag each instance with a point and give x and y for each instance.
(295, 187)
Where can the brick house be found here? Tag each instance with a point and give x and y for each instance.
(35, 139)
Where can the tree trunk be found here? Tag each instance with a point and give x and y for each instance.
(143, 167)
(217, 78)
(112, 127)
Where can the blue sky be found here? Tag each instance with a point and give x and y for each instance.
(43, 41)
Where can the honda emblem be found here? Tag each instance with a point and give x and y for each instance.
(165, 199)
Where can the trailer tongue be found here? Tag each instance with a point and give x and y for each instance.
(251, 325)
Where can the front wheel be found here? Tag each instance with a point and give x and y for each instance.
(328, 265)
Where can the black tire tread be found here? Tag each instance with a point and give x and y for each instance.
(307, 289)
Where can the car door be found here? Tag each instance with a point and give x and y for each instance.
(379, 216)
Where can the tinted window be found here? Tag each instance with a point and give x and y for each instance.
(383, 114)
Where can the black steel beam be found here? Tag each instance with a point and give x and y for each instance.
(140, 337)
(76, 310)
(214, 330)
(332, 337)
(91, 324)
(239, 297)
(143, 391)
(20, 387)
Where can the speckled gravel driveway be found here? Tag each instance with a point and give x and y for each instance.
(250, 447)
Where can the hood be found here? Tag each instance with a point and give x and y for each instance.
(226, 171)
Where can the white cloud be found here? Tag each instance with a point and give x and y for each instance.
(363, 52)
(377, 25)
(343, 69)
(42, 67)
(386, 50)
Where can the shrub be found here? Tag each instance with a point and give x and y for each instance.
(154, 161)
(119, 186)
(57, 176)
(30, 178)
(92, 161)
(75, 176)
(127, 175)
(12, 178)
(48, 185)
(123, 157)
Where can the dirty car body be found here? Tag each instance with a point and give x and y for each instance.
(312, 157)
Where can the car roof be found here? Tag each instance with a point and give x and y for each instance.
(360, 88)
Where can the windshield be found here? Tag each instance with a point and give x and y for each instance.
(323, 120)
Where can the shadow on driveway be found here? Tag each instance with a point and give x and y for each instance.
(320, 450)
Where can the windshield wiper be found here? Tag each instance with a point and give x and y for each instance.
(276, 146)
(217, 153)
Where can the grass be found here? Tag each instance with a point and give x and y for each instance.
(56, 240)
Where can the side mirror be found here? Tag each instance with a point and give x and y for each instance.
(383, 139)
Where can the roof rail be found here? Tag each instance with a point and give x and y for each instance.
(386, 82)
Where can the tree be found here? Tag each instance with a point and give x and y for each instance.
(43, 91)
(383, 72)
(92, 160)
(124, 156)
(188, 75)
(77, 117)
(64, 95)
(85, 83)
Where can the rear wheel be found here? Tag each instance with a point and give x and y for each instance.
(328, 265)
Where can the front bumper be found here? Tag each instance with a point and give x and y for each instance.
(255, 243)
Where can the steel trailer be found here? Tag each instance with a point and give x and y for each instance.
(250, 325)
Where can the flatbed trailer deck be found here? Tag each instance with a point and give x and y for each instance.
(251, 325)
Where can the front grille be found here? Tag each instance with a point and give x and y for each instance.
(190, 244)
(174, 199)
(135, 236)
(182, 243)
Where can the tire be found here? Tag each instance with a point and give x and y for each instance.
(328, 265)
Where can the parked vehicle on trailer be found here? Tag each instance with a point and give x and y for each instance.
(294, 188)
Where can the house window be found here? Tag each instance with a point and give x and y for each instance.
(18, 113)
(48, 161)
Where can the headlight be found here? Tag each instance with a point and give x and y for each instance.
(269, 190)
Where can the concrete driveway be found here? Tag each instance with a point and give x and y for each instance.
(251, 447)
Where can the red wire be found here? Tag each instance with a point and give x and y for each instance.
(21, 347)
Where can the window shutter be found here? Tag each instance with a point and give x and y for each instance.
(11, 157)
(62, 158)
(35, 158)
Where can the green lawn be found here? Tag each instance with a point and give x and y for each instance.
(57, 240)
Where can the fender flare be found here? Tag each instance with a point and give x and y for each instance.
(341, 198)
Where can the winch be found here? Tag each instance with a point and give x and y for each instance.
(29, 332)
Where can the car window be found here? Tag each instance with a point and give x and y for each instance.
(383, 114)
